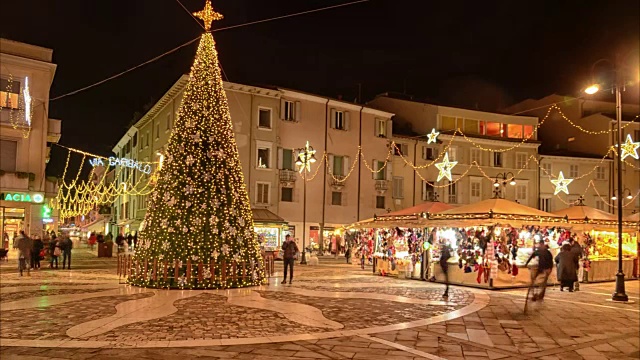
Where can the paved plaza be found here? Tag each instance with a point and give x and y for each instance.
(331, 311)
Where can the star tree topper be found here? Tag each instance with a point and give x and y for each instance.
(207, 15)
(561, 184)
(630, 148)
(433, 136)
(445, 167)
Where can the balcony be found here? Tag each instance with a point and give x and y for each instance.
(288, 178)
(337, 182)
(54, 130)
(382, 186)
(11, 181)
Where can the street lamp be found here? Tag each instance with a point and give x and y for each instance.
(629, 196)
(504, 179)
(306, 157)
(618, 85)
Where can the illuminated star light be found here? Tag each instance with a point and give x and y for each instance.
(207, 15)
(433, 136)
(445, 167)
(630, 148)
(561, 184)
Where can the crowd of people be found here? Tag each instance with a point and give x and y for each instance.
(32, 250)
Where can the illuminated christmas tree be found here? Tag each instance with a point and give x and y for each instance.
(198, 231)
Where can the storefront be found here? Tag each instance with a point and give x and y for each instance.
(20, 211)
(271, 230)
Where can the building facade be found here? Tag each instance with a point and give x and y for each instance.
(26, 133)
(270, 125)
(493, 148)
(588, 130)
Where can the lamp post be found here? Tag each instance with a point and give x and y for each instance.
(618, 85)
(504, 178)
(626, 190)
(306, 157)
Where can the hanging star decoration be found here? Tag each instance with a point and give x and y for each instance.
(433, 136)
(207, 15)
(445, 167)
(630, 148)
(561, 184)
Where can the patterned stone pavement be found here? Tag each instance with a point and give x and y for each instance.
(332, 311)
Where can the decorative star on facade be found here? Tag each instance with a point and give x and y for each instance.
(433, 136)
(445, 167)
(207, 15)
(630, 148)
(561, 184)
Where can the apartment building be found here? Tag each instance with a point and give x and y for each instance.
(495, 142)
(26, 133)
(589, 130)
(270, 125)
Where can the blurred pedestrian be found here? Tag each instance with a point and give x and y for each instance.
(38, 245)
(66, 247)
(290, 251)
(445, 255)
(24, 245)
(567, 268)
(54, 252)
(545, 265)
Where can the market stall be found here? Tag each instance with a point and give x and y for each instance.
(597, 233)
(270, 230)
(490, 241)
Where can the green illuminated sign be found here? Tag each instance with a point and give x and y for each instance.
(24, 197)
(46, 211)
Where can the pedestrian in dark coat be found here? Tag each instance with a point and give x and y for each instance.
(567, 268)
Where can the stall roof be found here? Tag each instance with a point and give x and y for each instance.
(582, 217)
(633, 217)
(427, 207)
(582, 212)
(266, 216)
(497, 206)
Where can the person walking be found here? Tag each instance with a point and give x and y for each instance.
(54, 252)
(545, 265)
(24, 245)
(38, 245)
(66, 247)
(92, 240)
(444, 258)
(290, 249)
(578, 252)
(567, 268)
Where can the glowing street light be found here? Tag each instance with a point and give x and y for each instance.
(592, 89)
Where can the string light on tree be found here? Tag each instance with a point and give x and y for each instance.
(196, 221)
(561, 184)
(630, 148)
(445, 167)
(433, 136)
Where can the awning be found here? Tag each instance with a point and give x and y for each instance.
(266, 217)
(585, 218)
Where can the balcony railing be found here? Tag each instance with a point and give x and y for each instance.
(288, 177)
(337, 181)
(54, 131)
(382, 186)
(14, 182)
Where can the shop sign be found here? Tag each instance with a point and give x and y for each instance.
(130, 163)
(47, 220)
(24, 197)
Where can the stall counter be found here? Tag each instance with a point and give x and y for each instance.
(606, 270)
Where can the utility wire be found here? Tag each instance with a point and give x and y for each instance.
(190, 14)
(191, 41)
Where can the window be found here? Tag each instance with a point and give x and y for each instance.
(573, 171)
(401, 149)
(262, 193)
(264, 158)
(521, 161)
(379, 202)
(453, 193)
(428, 191)
(398, 187)
(135, 140)
(381, 128)
(528, 132)
(475, 155)
(453, 153)
(546, 169)
(514, 131)
(287, 194)
(545, 204)
(157, 130)
(339, 120)
(600, 174)
(447, 123)
(264, 118)
(494, 129)
(599, 204)
(471, 126)
(147, 142)
(338, 166)
(497, 159)
(379, 172)
(290, 110)
(429, 153)
(287, 159)
(8, 155)
(521, 193)
(336, 198)
(9, 93)
(168, 123)
(476, 189)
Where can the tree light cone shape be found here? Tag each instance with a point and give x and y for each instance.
(592, 89)
(200, 208)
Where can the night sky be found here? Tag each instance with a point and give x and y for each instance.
(476, 54)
